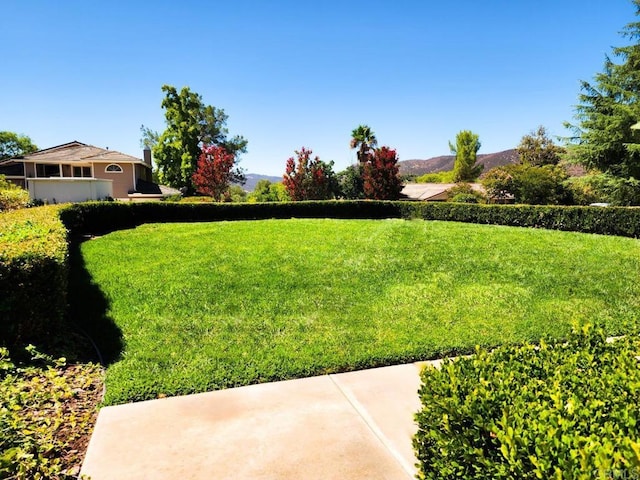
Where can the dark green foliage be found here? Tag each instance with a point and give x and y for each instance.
(564, 410)
(102, 217)
(619, 221)
(603, 187)
(33, 276)
(608, 108)
(351, 182)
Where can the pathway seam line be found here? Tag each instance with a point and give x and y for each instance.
(369, 421)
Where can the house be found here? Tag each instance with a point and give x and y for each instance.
(432, 192)
(76, 172)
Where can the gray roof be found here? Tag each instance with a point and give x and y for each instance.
(78, 152)
(432, 191)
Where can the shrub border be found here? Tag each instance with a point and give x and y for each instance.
(102, 217)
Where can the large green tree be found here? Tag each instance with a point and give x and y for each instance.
(14, 145)
(190, 125)
(465, 150)
(608, 107)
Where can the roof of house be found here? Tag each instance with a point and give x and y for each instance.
(432, 191)
(77, 152)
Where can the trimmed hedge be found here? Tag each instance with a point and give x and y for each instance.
(620, 221)
(97, 217)
(33, 275)
(102, 217)
(567, 410)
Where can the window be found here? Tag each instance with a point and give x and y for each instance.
(82, 172)
(44, 170)
(113, 168)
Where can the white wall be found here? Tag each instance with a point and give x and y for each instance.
(62, 190)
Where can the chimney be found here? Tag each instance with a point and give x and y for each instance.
(146, 156)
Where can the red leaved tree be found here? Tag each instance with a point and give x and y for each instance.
(381, 180)
(309, 179)
(216, 170)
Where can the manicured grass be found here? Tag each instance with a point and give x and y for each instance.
(214, 305)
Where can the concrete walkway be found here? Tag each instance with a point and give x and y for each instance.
(355, 425)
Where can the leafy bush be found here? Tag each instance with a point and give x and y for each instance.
(46, 416)
(437, 177)
(566, 410)
(533, 185)
(12, 197)
(464, 193)
(266, 191)
(33, 275)
(588, 189)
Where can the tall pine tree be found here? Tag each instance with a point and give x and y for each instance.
(609, 107)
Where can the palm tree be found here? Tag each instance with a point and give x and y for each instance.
(363, 139)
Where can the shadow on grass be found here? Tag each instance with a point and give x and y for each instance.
(99, 338)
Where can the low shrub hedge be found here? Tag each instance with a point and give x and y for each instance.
(565, 411)
(621, 221)
(96, 218)
(33, 275)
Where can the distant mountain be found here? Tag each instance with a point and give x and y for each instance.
(445, 162)
(254, 178)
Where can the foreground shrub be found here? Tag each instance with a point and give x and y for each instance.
(33, 275)
(566, 410)
(12, 197)
(46, 417)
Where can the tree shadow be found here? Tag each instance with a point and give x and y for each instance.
(98, 338)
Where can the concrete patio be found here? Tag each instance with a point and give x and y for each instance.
(355, 425)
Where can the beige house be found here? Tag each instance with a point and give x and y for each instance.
(76, 172)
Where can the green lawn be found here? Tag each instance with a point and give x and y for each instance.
(213, 305)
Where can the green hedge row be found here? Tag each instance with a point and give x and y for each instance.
(566, 411)
(621, 221)
(95, 218)
(33, 275)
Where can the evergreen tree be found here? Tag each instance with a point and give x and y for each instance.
(609, 107)
(466, 150)
(537, 149)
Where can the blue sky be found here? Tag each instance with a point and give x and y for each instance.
(298, 73)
